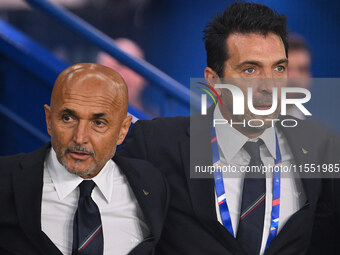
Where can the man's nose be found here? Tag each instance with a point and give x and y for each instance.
(81, 133)
(265, 85)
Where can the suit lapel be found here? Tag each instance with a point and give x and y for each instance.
(299, 146)
(148, 192)
(28, 184)
(304, 152)
(202, 190)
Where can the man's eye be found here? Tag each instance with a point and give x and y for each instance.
(99, 123)
(67, 118)
(249, 70)
(280, 68)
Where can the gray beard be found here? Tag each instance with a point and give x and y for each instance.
(75, 170)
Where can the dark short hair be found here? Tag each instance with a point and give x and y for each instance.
(241, 18)
(297, 42)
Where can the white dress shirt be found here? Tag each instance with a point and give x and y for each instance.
(292, 193)
(122, 219)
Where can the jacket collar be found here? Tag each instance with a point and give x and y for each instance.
(150, 191)
(152, 194)
(305, 152)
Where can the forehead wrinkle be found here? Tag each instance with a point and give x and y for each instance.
(79, 97)
(99, 106)
(86, 103)
(107, 104)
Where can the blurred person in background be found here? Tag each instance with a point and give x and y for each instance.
(299, 69)
(136, 83)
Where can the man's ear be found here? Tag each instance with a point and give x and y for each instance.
(210, 73)
(124, 129)
(211, 77)
(48, 118)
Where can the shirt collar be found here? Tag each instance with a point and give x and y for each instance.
(227, 133)
(104, 179)
(65, 182)
(268, 137)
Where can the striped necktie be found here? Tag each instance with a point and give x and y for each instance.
(250, 227)
(87, 226)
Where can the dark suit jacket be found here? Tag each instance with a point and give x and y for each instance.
(191, 226)
(21, 186)
(326, 234)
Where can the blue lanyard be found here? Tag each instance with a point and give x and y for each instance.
(221, 197)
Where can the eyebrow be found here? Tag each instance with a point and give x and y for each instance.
(99, 115)
(248, 62)
(282, 61)
(69, 111)
(257, 63)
